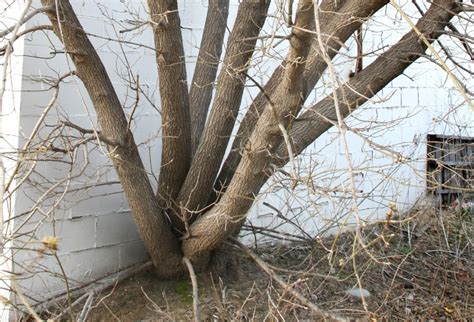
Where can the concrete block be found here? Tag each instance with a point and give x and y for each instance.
(131, 253)
(73, 235)
(115, 229)
(409, 97)
(26, 198)
(43, 277)
(97, 201)
(429, 97)
(94, 263)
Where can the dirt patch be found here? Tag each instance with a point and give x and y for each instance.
(420, 267)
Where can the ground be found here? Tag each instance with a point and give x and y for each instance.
(419, 267)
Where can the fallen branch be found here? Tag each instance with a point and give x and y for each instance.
(86, 309)
(95, 286)
(197, 314)
(277, 278)
(74, 304)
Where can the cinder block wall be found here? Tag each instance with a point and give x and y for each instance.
(90, 218)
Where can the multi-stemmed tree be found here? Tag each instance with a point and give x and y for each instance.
(204, 194)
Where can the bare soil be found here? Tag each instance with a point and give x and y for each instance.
(418, 268)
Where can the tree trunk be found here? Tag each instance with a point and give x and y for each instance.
(226, 217)
(161, 243)
(264, 150)
(338, 20)
(206, 162)
(207, 63)
(258, 160)
(176, 125)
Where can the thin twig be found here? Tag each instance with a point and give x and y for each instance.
(277, 278)
(25, 302)
(192, 274)
(75, 303)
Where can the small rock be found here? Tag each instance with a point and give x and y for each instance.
(358, 292)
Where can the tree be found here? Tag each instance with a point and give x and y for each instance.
(203, 194)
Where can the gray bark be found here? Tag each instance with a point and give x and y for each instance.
(230, 86)
(207, 63)
(176, 125)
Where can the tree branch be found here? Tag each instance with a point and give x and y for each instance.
(206, 67)
(225, 217)
(205, 165)
(192, 275)
(339, 20)
(314, 122)
(176, 125)
(33, 13)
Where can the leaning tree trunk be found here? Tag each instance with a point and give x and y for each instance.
(260, 158)
(338, 21)
(160, 241)
(277, 114)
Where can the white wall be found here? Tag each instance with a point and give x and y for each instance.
(396, 121)
(96, 233)
(91, 219)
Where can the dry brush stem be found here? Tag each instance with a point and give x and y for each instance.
(192, 275)
(287, 287)
(13, 32)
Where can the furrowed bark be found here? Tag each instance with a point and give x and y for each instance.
(152, 226)
(207, 63)
(339, 20)
(176, 125)
(225, 217)
(206, 162)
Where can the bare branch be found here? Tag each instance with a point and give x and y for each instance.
(192, 275)
(26, 18)
(86, 131)
(339, 20)
(311, 124)
(277, 278)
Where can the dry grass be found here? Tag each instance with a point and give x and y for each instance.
(422, 268)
